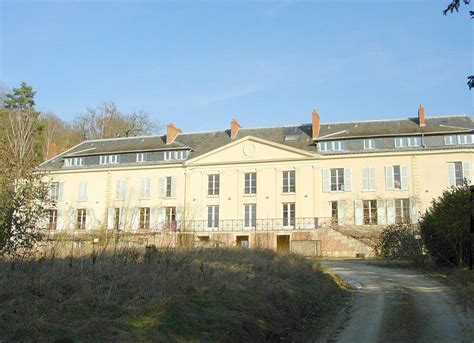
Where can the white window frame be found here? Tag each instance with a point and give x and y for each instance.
(213, 216)
(464, 168)
(450, 139)
(465, 138)
(369, 144)
(371, 216)
(250, 183)
(81, 219)
(53, 219)
(54, 191)
(401, 142)
(331, 146)
(145, 218)
(414, 141)
(142, 157)
(339, 186)
(75, 161)
(250, 216)
(287, 177)
(168, 155)
(213, 184)
(404, 217)
(288, 214)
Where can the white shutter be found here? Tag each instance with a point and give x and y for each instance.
(341, 212)
(347, 179)
(413, 211)
(359, 212)
(72, 216)
(110, 218)
(161, 187)
(135, 219)
(326, 180)
(372, 185)
(121, 189)
(404, 177)
(161, 218)
(466, 171)
(154, 218)
(365, 179)
(389, 177)
(381, 213)
(82, 195)
(122, 219)
(451, 175)
(390, 211)
(61, 191)
(173, 187)
(89, 219)
(60, 221)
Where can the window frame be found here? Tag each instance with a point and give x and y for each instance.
(213, 216)
(250, 216)
(369, 210)
(369, 144)
(141, 157)
(213, 184)
(144, 219)
(337, 177)
(402, 211)
(465, 138)
(288, 214)
(448, 139)
(52, 219)
(81, 219)
(250, 183)
(289, 181)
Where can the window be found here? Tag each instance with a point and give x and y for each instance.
(289, 181)
(76, 161)
(213, 216)
(368, 179)
(54, 191)
(53, 219)
(120, 189)
(109, 159)
(402, 211)
(170, 218)
(396, 177)
(82, 194)
(213, 184)
(403, 142)
(168, 186)
(337, 179)
(81, 219)
(414, 141)
(145, 183)
(142, 157)
(458, 172)
(369, 144)
(370, 212)
(465, 139)
(289, 214)
(144, 218)
(116, 225)
(334, 213)
(450, 139)
(292, 138)
(250, 183)
(168, 155)
(176, 155)
(250, 215)
(331, 146)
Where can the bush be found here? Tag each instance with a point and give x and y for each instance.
(445, 225)
(399, 241)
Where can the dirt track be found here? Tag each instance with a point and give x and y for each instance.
(397, 305)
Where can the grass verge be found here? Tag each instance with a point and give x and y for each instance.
(154, 295)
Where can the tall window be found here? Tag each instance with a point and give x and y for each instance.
(213, 216)
(337, 179)
(54, 191)
(81, 219)
(289, 214)
(144, 218)
(250, 215)
(396, 177)
(53, 219)
(402, 211)
(456, 171)
(168, 186)
(289, 181)
(142, 157)
(116, 218)
(250, 183)
(213, 184)
(370, 212)
(82, 194)
(369, 144)
(334, 212)
(170, 218)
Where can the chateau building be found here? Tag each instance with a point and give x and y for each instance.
(276, 187)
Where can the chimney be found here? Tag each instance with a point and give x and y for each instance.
(316, 124)
(421, 116)
(171, 133)
(234, 128)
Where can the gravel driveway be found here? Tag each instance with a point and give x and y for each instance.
(397, 305)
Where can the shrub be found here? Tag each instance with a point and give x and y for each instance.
(445, 225)
(400, 241)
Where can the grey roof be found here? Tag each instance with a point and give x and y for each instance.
(202, 142)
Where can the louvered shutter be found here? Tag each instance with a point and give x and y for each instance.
(389, 177)
(451, 175)
(358, 212)
(173, 187)
(89, 219)
(341, 212)
(161, 187)
(72, 216)
(60, 221)
(135, 219)
(326, 180)
(413, 211)
(122, 219)
(390, 211)
(110, 218)
(365, 179)
(61, 191)
(466, 171)
(161, 218)
(381, 213)
(347, 179)
(154, 218)
(404, 177)
(372, 184)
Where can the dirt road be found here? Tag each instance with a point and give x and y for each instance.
(397, 305)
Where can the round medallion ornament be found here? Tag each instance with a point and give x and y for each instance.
(249, 150)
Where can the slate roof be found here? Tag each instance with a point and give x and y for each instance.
(202, 142)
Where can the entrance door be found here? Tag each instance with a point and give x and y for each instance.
(283, 244)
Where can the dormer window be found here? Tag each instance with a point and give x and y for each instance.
(109, 159)
(292, 138)
(76, 161)
(369, 144)
(403, 142)
(176, 155)
(331, 146)
(142, 157)
(465, 139)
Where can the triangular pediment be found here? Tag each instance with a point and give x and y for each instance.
(251, 149)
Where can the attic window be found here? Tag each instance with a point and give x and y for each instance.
(292, 138)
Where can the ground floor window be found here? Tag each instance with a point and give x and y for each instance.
(370, 212)
(53, 219)
(144, 218)
(170, 217)
(289, 214)
(250, 214)
(81, 219)
(402, 211)
(334, 213)
(213, 216)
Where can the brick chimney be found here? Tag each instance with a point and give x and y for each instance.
(234, 128)
(171, 133)
(316, 125)
(421, 116)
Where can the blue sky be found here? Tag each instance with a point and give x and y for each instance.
(266, 63)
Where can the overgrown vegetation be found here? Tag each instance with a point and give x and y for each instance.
(164, 295)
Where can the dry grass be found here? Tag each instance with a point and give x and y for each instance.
(164, 295)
